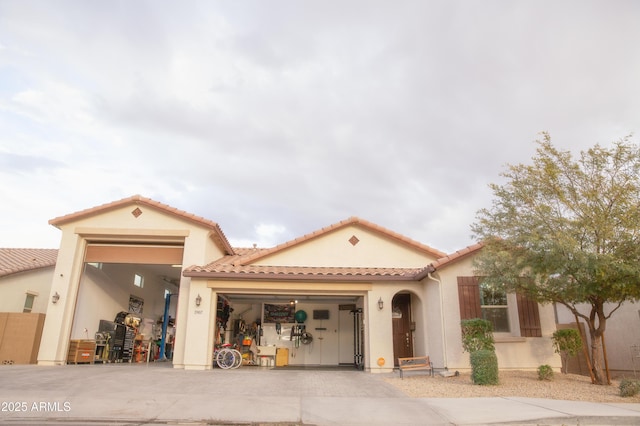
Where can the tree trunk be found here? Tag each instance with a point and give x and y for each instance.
(564, 358)
(596, 354)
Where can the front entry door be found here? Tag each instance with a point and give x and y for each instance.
(402, 338)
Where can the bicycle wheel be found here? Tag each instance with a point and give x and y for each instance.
(237, 361)
(225, 359)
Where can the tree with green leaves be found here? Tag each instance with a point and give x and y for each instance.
(567, 231)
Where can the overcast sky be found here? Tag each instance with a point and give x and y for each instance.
(278, 118)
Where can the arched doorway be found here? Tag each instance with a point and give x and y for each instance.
(402, 326)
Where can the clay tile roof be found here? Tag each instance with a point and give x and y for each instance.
(350, 221)
(217, 234)
(14, 260)
(299, 273)
(458, 255)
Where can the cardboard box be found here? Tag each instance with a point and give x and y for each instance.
(282, 357)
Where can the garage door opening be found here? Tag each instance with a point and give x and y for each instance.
(289, 331)
(122, 305)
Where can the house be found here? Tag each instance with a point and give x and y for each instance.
(25, 282)
(352, 293)
(25, 279)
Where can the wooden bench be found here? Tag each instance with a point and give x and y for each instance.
(415, 363)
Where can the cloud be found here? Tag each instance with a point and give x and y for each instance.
(276, 119)
(25, 164)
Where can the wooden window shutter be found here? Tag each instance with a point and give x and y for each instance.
(529, 316)
(469, 297)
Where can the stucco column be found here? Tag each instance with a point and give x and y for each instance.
(380, 332)
(181, 322)
(59, 319)
(198, 334)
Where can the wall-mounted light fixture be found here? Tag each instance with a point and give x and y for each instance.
(198, 300)
(380, 304)
(55, 297)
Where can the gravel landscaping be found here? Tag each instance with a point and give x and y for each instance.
(514, 383)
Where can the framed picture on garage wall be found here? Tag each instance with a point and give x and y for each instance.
(278, 313)
(135, 304)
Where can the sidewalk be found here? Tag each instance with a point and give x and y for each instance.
(119, 394)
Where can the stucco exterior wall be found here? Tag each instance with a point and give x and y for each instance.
(334, 249)
(199, 249)
(379, 323)
(512, 350)
(119, 225)
(436, 333)
(378, 330)
(15, 288)
(623, 330)
(59, 319)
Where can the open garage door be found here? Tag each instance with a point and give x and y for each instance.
(134, 254)
(305, 330)
(121, 301)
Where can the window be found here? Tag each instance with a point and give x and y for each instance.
(138, 280)
(494, 307)
(28, 302)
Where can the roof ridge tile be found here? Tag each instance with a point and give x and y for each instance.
(218, 235)
(457, 255)
(352, 220)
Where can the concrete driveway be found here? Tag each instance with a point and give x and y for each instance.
(157, 394)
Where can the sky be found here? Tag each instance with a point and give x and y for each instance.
(278, 118)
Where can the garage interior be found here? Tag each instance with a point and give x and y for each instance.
(120, 313)
(292, 330)
(121, 307)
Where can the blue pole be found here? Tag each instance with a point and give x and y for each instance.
(165, 322)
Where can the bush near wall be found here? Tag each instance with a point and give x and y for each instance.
(566, 342)
(629, 387)
(545, 372)
(477, 334)
(484, 367)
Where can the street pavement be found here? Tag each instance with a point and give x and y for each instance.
(134, 394)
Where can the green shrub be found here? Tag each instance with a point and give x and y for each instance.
(566, 342)
(477, 334)
(484, 367)
(629, 387)
(545, 372)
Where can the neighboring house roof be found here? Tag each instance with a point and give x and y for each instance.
(350, 221)
(14, 260)
(217, 234)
